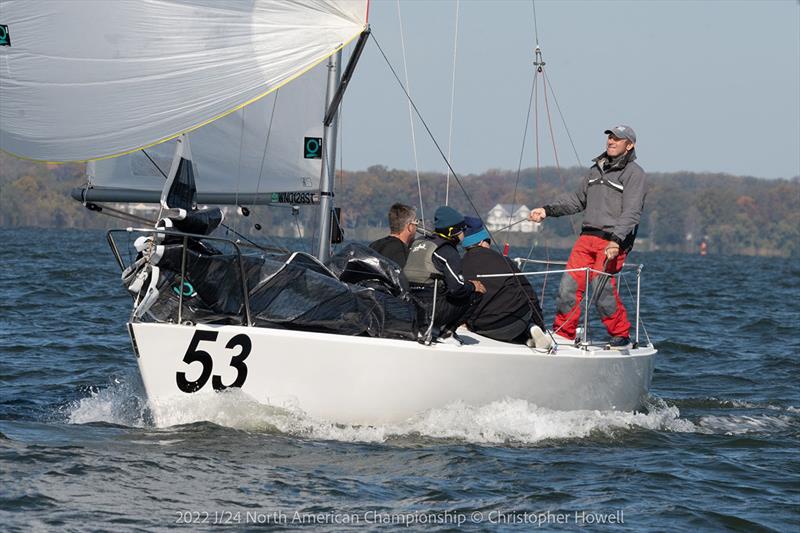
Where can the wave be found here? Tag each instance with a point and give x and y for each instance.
(681, 348)
(119, 404)
(500, 422)
(509, 421)
(742, 425)
(726, 403)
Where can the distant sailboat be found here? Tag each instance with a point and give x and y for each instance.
(196, 81)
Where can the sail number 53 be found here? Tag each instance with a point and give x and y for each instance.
(193, 354)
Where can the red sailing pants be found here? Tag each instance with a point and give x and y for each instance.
(589, 251)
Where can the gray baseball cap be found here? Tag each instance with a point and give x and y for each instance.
(622, 132)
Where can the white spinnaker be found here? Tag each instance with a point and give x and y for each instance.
(88, 79)
(229, 154)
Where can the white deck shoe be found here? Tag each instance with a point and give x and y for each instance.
(539, 339)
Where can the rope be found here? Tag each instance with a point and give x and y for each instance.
(535, 26)
(122, 215)
(452, 100)
(512, 225)
(410, 114)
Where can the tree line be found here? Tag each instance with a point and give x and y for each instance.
(731, 214)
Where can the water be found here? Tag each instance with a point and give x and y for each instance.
(716, 447)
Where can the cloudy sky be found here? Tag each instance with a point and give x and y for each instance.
(709, 86)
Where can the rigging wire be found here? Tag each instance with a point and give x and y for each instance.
(161, 207)
(446, 160)
(555, 151)
(563, 121)
(410, 114)
(239, 165)
(522, 149)
(641, 320)
(539, 63)
(425, 125)
(452, 101)
(538, 182)
(266, 146)
(261, 167)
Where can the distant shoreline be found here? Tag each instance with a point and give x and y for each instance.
(732, 215)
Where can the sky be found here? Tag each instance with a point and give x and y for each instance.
(708, 86)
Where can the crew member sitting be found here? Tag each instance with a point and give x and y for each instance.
(403, 228)
(509, 311)
(434, 257)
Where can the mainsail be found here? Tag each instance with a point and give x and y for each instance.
(269, 146)
(86, 79)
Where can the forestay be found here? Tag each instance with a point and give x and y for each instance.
(90, 79)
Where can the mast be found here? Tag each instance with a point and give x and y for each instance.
(337, 85)
(327, 177)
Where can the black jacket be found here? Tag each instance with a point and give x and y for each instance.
(448, 262)
(506, 297)
(392, 248)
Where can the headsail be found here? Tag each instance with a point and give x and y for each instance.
(91, 79)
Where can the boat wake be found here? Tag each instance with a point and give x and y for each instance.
(509, 421)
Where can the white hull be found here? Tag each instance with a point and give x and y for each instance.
(361, 380)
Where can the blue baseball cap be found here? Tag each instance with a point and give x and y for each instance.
(475, 232)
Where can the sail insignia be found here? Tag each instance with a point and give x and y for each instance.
(313, 147)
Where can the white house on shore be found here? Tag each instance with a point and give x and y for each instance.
(500, 217)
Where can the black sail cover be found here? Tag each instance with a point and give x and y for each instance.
(359, 292)
(182, 192)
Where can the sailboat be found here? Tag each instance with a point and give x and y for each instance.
(191, 102)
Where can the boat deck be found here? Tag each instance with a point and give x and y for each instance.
(564, 346)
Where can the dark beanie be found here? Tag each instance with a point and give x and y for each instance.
(446, 217)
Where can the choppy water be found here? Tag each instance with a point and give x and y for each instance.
(716, 448)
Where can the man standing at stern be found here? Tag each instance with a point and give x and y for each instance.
(612, 197)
